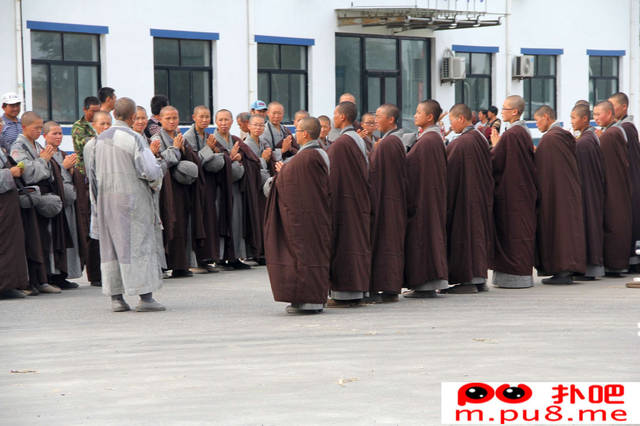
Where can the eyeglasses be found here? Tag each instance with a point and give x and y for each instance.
(256, 125)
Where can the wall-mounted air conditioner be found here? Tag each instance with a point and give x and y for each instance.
(453, 68)
(523, 66)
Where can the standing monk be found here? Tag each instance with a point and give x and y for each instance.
(561, 249)
(298, 225)
(617, 205)
(469, 205)
(425, 267)
(592, 177)
(515, 199)
(351, 212)
(388, 177)
(276, 135)
(620, 103)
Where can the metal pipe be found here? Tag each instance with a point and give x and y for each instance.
(19, 54)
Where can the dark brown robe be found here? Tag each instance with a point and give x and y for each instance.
(469, 207)
(426, 242)
(388, 177)
(88, 248)
(297, 230)
(13, 263)
(617, 206)
(351, 217)
(223, 187)
(253, 201)
(592, 177)
(634, 176)
(560, 228)
(514, 208)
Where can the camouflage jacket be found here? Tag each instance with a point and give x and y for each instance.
(81, 132)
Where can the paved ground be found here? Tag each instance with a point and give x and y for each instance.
(225, 353)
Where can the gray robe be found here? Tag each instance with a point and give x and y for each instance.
(89, 155)
(36, 169)
(127, 174)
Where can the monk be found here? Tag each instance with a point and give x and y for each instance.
(276, 135)
(620, 102)
(561, 250)
(351, 212)
(469, 205)
(425, 268)
(325, 122)
(298, 225)
(617, 205)
(592, 178)
(515, 199)
(369, 132)
(388, 177)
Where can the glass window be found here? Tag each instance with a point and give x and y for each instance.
(603, 77)
(282, 76)
(475, 90)
(182, 71)
(541, 88)
(348, 66)
(414, 78)
(65, 69)
(380, 53)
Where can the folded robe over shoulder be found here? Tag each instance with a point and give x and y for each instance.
(560, 226)
(634, 176)
(297, 231)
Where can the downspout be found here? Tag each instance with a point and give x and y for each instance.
(634, 66)
(251, 47)
(19, 54)
(507, 52)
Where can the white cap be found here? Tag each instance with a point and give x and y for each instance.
(11, 98)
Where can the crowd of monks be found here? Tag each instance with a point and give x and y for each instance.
(342, 214)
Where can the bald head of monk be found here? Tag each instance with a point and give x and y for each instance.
(512, 108)
(102, 121)
(580, 117)
(344, 115)
(224, 120)
(275, 112)
(620, 102)
(31, 125)
(201, 118)
(125, 110)
(169, 118)
(307, 130)
(347, 97)
(387, 116)
(603, 114)
(256, 126)
(460, 117)
(545, 116)
(427, 113)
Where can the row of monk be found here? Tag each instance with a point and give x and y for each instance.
(346, 218)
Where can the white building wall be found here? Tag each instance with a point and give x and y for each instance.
(127, 50)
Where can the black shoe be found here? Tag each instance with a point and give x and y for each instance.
(613, 275)
(238, 264)
(33, 291)
(181, 273)
(66, 285)
(96, 284)
(460, 289)
(420, 294)
(482, 287)
(583, 278)
(261, 261)
(12, 293)
(558, 279)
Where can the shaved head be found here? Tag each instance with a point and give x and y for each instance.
(300, 114)
(516, 102)
(223, 111)
(349, 110)
(604, 106)
(582, 110)
(432, 107)
(391, 110)
(274, 104)
(311, 125)
(30, 117)
(583, 102)
(200, 108)
(620, 98)
(48, 126)
(461, 110)
(347, 97)
(124, 109)
(545, 110)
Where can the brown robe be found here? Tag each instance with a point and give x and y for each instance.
(514, 207)
(222, 180)
(634, 176)
(388, 177)
(617, 206)
(253, 201)
(297, 230)
(592, 177)
(469, 207)
(426, 242)
(88, 248)
(560, 227)
(351, 217)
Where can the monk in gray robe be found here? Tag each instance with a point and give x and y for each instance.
(276, 135)
(127, 174)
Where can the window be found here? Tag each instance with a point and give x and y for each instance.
(541, 88)
(475, 89)
(282, 76)
(380, 69)
(65, 69)
(182, 71)
(603, 78)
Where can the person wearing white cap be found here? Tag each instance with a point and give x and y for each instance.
(259, 108)
(11, 127)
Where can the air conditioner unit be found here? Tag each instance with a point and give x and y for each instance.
(523, 66)
(453, 68)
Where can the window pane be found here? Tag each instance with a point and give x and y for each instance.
(467, 61)
(63, 93)
(477, 89)
(390, 90)
(605, 88)
(542, 93)
(526, 94)
(46, 45)
(480, 63)
(460, 95)
(610, 66)
(200, 91)
(594, 65)
(298, 95)
(179, 92)
(293, 57)
(592, 92)
(380, 53)
(161, 79)
(280, 91)
(87, 84)
(195, 52)
(39, 90)
(263, 87)
(80, 47)
(545, 65)
(268, 56)
(165, 52)
(414, 78)
(373, 93)
(347, 66)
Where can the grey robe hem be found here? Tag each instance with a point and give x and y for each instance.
(431, 285)
(348, 295)
(594, 271)
(504, 280)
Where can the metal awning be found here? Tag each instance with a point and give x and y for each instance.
(403, 19)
